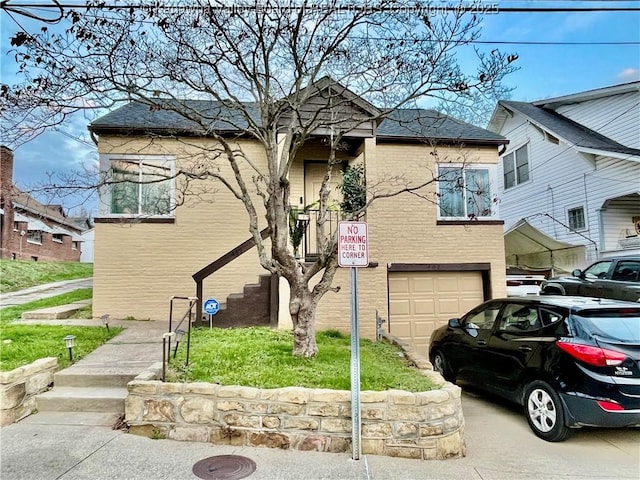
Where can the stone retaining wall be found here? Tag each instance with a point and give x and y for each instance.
(20, 386)
(425, 425)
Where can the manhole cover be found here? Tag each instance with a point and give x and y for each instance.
(224, 467)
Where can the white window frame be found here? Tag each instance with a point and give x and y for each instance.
(584, 218)
(104, 192)
(516, 180)
(35, 242)
(492, 170)
(57, 237)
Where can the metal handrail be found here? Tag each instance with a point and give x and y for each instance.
(193, 301)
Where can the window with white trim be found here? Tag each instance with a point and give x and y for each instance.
(515, 167)
(138, 185)
(464, 192)
(576, 218)
(34, 236)
(57, 237)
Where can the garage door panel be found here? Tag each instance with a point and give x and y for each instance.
(448, 306)
(422, 285)
(424, 307)
(420, 302)
(447, 284)
(399, 284)
(403, 329)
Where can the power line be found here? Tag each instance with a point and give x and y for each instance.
(471, 7)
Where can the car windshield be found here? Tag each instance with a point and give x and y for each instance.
(620, 325)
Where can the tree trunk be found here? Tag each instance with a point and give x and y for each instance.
(303, 313)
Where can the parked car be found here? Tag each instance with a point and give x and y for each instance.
(617, 278)
(524, 284)
(570, 361)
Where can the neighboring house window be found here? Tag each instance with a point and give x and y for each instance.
(74, 245)
(34, 236)
(16, 226)
(464, 192)
(516, 167)
(576, 218)
(139, 185)
(57, 237)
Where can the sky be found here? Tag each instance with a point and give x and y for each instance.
(559, 54)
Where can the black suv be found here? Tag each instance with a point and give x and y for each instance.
(570, 361)
(617, 278)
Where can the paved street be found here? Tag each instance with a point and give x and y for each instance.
(42, 291)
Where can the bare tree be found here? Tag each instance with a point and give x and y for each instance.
(260, 65)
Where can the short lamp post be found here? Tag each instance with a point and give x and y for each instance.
(105, 320)
(179, 334)
(70, 342)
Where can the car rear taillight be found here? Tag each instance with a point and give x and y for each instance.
(596, 356)
(513, 283)
(609, 406)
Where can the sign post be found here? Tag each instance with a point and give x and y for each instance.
(353, 252)
(211, 307)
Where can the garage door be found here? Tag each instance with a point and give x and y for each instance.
(420, 302)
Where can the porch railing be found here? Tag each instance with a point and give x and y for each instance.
(310, 245)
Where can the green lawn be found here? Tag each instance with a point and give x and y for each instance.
(17, 274)
(23, 344)
(261, 357)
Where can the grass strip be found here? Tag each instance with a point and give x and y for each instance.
(18, 274)
(8, 314)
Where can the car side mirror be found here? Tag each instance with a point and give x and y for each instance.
(577, 273)
(454, 323)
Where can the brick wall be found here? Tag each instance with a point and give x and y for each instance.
(6, 182)
(17, 246)
(139, 266)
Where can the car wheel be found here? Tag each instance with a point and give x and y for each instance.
(544, 412)
(441, 366)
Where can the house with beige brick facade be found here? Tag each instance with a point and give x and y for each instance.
(433, 253)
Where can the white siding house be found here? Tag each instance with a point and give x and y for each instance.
(572, 170)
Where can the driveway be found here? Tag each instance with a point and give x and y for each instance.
(500, 445)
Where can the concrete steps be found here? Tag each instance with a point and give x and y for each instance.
(99, 419)
(55, 313)
(83, 399)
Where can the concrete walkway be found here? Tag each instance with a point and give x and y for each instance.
(43, 291)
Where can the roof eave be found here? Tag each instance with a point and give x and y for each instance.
(452, 141)
(555, 102)
(609, 153)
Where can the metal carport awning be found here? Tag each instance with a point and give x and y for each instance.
(528, 248)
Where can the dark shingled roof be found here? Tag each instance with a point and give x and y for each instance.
(137, 116)
(424, 123)
(408, 124)
(569, 130)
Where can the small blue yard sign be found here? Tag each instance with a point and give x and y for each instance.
(211, 306)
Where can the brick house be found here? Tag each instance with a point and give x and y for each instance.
(30, 230)
(429, 261)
